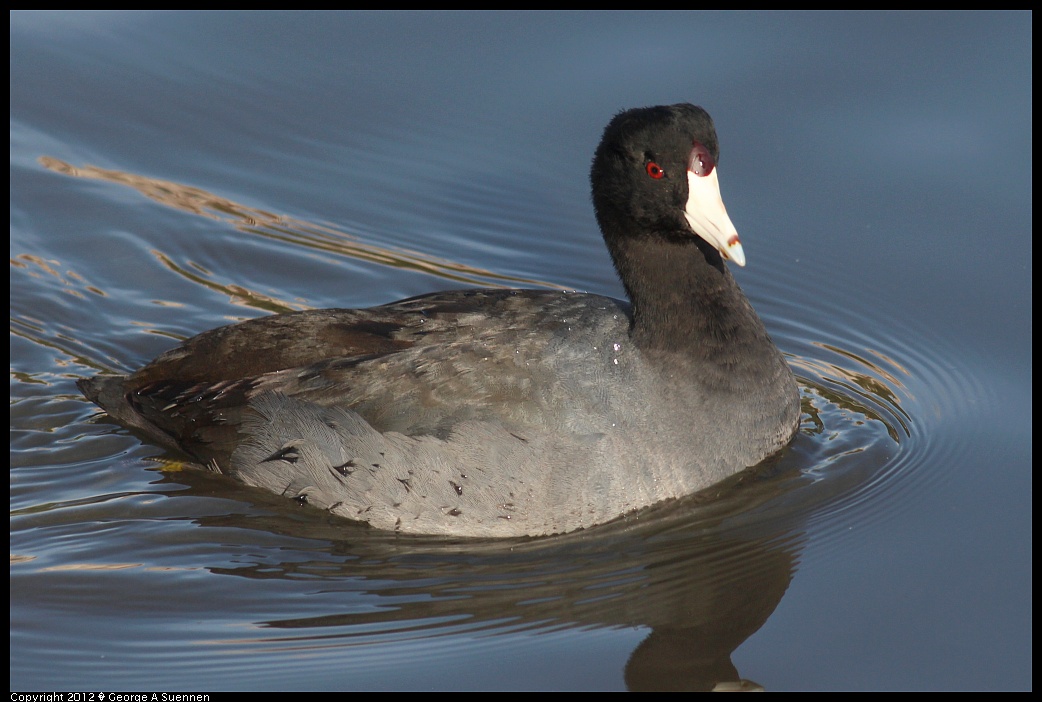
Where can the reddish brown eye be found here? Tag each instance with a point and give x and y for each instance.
(653, 170)
(702, 162)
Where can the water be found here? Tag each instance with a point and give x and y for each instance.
(171, 172)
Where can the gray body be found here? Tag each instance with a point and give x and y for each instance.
(492, 413)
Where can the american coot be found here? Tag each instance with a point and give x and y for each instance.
(502, 412)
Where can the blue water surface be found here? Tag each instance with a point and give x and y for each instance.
(172, 172)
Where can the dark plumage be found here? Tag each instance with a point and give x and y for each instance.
(502, 412)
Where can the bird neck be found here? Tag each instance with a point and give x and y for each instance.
(685, 301)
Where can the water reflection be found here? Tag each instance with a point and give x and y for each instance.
(701, 575)
(324, 239)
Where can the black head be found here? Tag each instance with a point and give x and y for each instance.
(654, 174)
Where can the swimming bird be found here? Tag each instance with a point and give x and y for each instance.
(502, 413)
